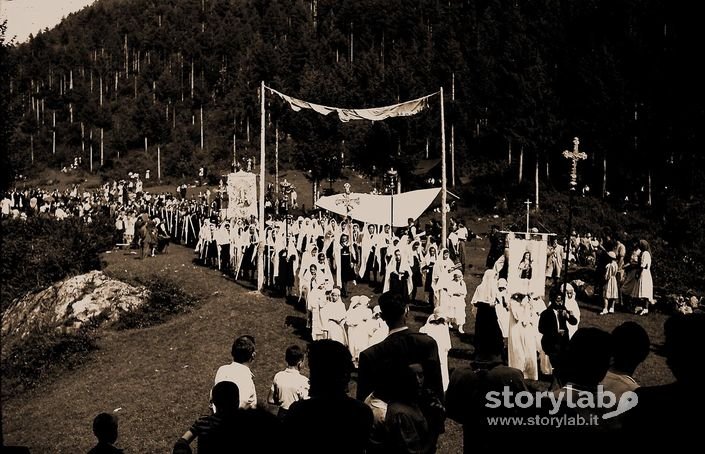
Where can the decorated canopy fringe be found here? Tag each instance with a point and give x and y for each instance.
(404, 109)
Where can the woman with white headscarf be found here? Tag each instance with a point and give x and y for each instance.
(455, 308)
(572, 307)
(521, 343)
(488, 334)
(356, 319)
(441, 275)
(437, 327)
(502, 307)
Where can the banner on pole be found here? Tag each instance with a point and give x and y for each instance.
(242, 195)
(527, 265)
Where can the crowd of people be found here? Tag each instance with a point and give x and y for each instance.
(405, 389)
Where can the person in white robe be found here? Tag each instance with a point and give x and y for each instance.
(307, 259)
(378, 328)
(441, 275)
(502, 307)
(333, 316)
(315, 302)
(437, 327)
(454, 305)
(521, 343)
(572, 307)
(356, 320)
(369, 256)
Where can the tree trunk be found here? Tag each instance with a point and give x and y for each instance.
(521, 162)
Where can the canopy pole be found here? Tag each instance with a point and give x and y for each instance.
(444, 183)
(260, 244)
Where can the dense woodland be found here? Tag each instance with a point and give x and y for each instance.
(115, 81)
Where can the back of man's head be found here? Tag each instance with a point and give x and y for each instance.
(685, 337)
(243, 349)
(226, 397)
(330, 365)
(105, 428)
(630, 344)
(588, 357)
(393, 308)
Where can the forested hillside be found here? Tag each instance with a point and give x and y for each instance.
(521, 78)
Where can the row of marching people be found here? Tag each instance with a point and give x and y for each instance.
(357, 326)
(533, 334)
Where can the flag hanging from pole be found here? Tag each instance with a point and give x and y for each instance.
(404, 109)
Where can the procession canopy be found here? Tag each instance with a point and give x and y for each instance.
(377, 209)
(404, 109)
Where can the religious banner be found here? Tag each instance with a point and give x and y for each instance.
(242, 195)
(527, 264)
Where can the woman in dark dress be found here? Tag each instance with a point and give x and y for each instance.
(488, 334)
(429, 261)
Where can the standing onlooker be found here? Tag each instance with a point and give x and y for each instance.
(437, 327)
(329, 421)
(238, 372)
(610, 291)
(289, 386)
(644, 288)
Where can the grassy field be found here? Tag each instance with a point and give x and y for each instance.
(157, 379)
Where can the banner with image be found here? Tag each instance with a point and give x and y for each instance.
(527, 265)
(242, 195)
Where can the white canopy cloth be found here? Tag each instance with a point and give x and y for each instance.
(376, 209)
(404, 109)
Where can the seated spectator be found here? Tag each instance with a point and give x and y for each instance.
(105, 429)
(630, 345)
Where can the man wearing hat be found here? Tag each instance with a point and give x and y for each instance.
(610, 291)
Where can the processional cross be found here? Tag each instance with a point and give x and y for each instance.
(575, 156)
(527, 203)
(347, 200)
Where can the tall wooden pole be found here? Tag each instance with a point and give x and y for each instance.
(444, 183)
(276, 164)
(452, 138)
(159, 164)
(101, 147)
(536, 202)
(260, 245)
(201, 127)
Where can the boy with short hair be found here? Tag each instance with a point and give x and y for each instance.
(289, 385)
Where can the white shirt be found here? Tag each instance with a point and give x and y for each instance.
(288, 387)
(242, 377)
(462, 233)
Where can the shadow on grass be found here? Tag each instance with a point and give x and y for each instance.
(299, 326)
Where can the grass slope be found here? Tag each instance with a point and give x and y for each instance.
(159, 377)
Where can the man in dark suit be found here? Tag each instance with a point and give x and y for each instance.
(553, 325)
(401, 348)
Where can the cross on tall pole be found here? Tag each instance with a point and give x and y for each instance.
(527, 203)
(575, 156)
(348, 201)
